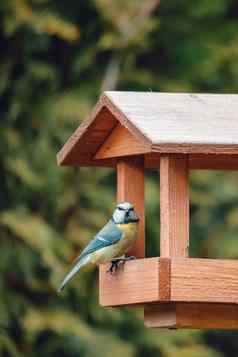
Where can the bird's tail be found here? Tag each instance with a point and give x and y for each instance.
(72, 272)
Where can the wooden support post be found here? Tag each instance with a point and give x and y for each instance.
(130, 187)
(174, 206)
(174, 224)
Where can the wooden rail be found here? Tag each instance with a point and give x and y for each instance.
(186, 280)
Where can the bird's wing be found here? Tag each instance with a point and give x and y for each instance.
(110, 234)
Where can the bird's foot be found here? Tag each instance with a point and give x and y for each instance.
(114, 265)
(116, 262)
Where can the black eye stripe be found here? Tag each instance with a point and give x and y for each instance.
(123, 209)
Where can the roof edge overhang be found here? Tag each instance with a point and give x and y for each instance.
(70, 154)
(82, 148)
(125, 121)
(195, 148)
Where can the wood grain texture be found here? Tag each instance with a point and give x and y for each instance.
(191, 315)
(163, 122)
(204, 294)
(135, 282)
(213, 162)
(174, 206)
(164, 279)
(152, 161)
(115, 290)
(195, 149)
(198, 161)
(204, 280)
(160, 315)
(174, 223)
(192, 280)
(131, 187)
(86, 140)
(81, 147)
(207, 316)
(120, 143)
(181, 118)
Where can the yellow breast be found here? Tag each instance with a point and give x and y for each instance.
(130, 231)
(116, 250)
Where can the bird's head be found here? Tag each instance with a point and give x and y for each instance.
(125, 213)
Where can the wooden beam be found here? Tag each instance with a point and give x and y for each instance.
(135, 282)
(152, 161)
(174, 206)
(203, 293)
(212, 278)
(213, 162)
(120, 143)
(175, 280)
(198, 161)
(204, 280)
(193, 315)
(195, 149)
(130, 187)
(174, 217)
(164, 279)
(207, 316)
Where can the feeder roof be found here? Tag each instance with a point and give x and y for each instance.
(161, 122)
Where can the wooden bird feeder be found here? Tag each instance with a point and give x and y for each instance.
(173, 133)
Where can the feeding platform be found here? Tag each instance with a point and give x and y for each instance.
(174, 133)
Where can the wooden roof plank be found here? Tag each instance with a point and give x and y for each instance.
(181, 118)
(162, 122)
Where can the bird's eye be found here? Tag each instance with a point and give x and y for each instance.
(131, 209)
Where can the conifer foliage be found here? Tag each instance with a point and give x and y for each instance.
(56, 58)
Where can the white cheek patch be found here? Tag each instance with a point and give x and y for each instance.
(119, 216)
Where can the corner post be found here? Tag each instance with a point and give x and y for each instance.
(174, 227)
(130, 187)
(174, 206)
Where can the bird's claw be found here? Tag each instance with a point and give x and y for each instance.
(113, 266)
(115, 263)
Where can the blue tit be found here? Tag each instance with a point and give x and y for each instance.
(111, 242)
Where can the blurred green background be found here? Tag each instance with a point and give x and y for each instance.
(56, 59)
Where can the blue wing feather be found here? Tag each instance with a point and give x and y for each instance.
(110, 234)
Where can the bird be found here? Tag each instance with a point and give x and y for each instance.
(111, 243)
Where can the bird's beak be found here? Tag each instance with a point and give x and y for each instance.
(133, 216)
